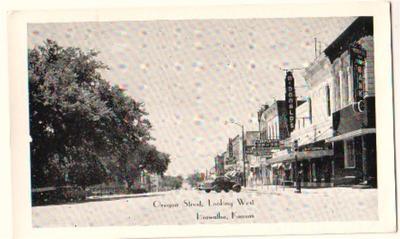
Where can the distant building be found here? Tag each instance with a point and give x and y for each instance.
(219, 164)
(253, 158)
(272, 121)
(229, 159)
(151, 182)
(274, 131)
(237, 152)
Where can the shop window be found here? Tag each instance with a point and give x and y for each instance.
(349, 155)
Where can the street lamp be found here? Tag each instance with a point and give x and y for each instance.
(243, 152)
(297, 174)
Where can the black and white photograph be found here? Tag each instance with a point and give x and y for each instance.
(205, 121)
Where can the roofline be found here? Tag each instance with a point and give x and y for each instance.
(361, 27)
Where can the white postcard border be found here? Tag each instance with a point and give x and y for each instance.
(22, 220)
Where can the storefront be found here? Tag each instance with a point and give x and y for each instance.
(315, 165)
(355, 157)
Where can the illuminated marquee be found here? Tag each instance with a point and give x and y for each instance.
(357, 59)
(290, 97)
(263, 147)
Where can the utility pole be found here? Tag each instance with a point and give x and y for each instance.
(320, 47)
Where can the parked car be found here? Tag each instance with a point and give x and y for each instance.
(199, 186)
(204, 185)
(221, 183)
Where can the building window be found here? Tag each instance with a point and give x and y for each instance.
(344, 88)
(273, 132)
(349, 155)
(338, 96)
(350, 83)
(310, 109)
(328, 100)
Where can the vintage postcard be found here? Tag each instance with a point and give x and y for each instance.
(203, 119)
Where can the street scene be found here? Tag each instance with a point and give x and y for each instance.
(202, 121)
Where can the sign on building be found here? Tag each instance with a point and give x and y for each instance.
(262, 147)
(269, 143)
(357, 61)
(290, 98)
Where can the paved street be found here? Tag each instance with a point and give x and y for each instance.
(267, 205)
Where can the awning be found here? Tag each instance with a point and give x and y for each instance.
(351, 134)
(276, 165)
(301, 156)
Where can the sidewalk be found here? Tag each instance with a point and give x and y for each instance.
(291, 190)
(261, 188)
(126, 195)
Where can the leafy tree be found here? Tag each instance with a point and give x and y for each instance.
(194, 179)
(83, 128)
(172, 182)
(144, 157)
(66, 116)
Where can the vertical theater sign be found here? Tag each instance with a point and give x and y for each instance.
(357, 60)
(290, 98)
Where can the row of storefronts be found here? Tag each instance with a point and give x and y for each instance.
(329, 135)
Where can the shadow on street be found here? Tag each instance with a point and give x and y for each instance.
(102, 198)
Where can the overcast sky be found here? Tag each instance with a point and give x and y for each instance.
(193, 75)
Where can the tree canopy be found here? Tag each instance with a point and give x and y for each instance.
(84, 130)
(172, 182)
(194, 179)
